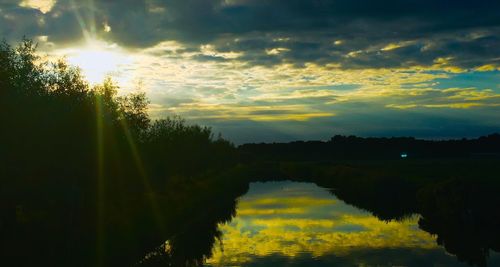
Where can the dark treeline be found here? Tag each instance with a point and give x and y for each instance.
(351, 147)
(87, 179)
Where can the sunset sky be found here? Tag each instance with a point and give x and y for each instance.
(274, 70)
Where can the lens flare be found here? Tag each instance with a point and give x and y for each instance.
(98, 60)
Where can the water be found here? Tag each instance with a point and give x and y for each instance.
(418, 214)
(301, 224)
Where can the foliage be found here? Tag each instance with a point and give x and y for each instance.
(78, 161)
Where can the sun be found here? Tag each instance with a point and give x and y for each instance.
(97, 60)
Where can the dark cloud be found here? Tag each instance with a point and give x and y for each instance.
(16, 22)
(465, 31)
(365, 119)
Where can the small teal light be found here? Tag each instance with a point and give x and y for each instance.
(404, 155)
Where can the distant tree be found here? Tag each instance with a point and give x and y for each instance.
(133, 111)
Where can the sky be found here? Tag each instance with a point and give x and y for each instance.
(283, 70)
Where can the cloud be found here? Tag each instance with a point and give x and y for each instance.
(319, 66)
(43, 5)
(299, 32)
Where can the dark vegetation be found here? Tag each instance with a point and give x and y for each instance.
(87, 179)
(357, 148)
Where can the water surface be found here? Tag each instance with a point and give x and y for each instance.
(301, 224)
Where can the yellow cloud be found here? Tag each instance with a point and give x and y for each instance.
(276, 51)
(487, 67)
(248, 112)
(449, 105)
(43, 5)
(338, 42)
(273, 117)
(396, 106)
(393, 46)
(445, 64)
(209, 50)
(454, 105)
(354, 53)
(390, 47)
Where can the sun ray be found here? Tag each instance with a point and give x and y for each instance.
(97, 59)
(145, 180)
(100, 180)
(81, 21)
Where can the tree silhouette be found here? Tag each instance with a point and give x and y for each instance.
(78, 165)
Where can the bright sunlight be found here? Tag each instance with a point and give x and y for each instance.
(97, 60)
